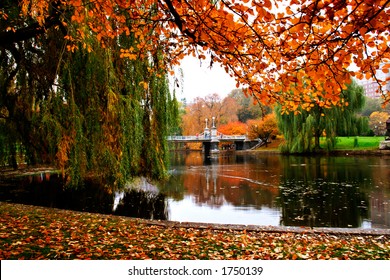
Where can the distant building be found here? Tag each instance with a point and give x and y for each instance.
(371, 87)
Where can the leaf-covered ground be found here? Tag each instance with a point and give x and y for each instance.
(28, 232)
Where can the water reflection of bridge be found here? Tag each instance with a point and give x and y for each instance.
(211, 138)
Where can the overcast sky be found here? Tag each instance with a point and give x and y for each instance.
(200, 80)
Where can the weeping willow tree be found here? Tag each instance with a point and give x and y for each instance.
(117, 115)
(27, 75)
(303, 129)
(93, 114)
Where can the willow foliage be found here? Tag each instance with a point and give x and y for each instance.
(93, 114)
(119, 118)
(302, 130)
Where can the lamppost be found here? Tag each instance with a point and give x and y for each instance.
(206, 130)
(213, 135)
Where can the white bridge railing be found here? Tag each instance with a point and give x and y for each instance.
(202, 137)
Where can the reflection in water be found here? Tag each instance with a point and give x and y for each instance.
(280, 190)
(236, 188)
(324, 191)
(47, 190)
(142, 204)
(324, 204)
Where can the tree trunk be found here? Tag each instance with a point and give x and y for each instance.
(317, 141)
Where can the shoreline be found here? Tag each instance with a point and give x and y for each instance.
(223, 227)
(269, 229)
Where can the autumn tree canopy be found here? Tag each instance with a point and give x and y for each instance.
(211, 106)
(87, 111)
(263, 129)
(377, 122)
(279, 50)
(233, 128)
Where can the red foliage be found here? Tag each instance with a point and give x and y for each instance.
(233, 128)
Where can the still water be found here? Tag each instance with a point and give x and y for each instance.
(269, 189)
(235, 188)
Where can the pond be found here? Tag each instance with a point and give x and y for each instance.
(270, 189)
(236, 188)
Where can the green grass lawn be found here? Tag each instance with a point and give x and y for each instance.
(363, 142)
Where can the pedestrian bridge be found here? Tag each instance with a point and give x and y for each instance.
(210, 139)
(207, 138)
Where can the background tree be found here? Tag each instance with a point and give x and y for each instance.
(303, 129)
(193, 120)
(233, 128)
(350, 122)
(248, 109)
(229, 111)
(374, 105)
(223, 110)
(263, 129)
(377, 122)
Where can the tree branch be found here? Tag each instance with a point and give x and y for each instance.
(8, 38)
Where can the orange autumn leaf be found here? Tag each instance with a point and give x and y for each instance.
(318, 36)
